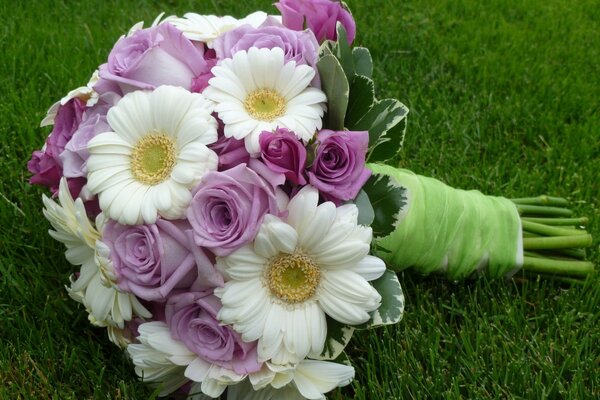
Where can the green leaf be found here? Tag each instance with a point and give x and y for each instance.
(343, 51)
(389, 144)
(327, 47)
(365, 210)
(362, 97)
(387, 201)
(335, 85)
(363, 63)
(338, 336)
(384, 115)
(343, 359)
(392, 301)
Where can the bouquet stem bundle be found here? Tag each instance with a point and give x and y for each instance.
(459, 233)
(553, 240)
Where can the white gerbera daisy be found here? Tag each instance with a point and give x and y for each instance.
(281, 286)
(156, 153)
(206, 28)
(258, 91)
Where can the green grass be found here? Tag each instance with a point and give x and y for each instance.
(504, 98)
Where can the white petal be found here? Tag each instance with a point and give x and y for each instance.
(129, 119)
(263, 245)
(161, 196)
(349, 287)
(370, 267)
(107, 143)
(313, 378)
(197, 370)
(315, 229)
(243, 69)
(244, 263)
(236, 293)
(338, 309)
(302, 207)
(302, 75)
(342, 255)
(270, 342)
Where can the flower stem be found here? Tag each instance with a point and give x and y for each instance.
(542, 201)
(543, 210)
(558, 221)
(543, 229)
(558, 253)
(557, 267)
(552, 242)
(557, 242)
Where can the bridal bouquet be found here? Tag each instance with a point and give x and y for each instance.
(224, 186)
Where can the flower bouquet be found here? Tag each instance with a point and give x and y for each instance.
(226, 188)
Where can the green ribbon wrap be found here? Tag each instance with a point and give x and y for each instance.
(450, 231)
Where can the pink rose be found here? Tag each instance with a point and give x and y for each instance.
(283, 153)
(320, 16)
(231, 151)
(46, 165)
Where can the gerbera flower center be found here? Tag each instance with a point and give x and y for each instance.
(265, 104)
(293, 278)
(153, 158)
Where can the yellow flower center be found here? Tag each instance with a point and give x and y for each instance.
(153, 158)
(265, 104)
(293, 278)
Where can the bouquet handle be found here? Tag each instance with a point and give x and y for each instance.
(460, 233)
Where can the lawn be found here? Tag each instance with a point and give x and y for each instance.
(504, 98)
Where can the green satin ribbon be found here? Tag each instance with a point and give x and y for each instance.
(451, 231)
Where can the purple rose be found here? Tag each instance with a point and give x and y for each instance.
(192, 318)
(66, 122)
(152, 260)
(227, 208)
(320, 17)
(45, 169)
(46, 165)
(231, 151)
(282, 152)
(299, 46)
(338, 170)
(152, 57)
(200, 82)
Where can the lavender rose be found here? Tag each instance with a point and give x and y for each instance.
(152, 57)
(282, 152)
(299, 46)
(192, 318)
(152, 260)
(320, 16)
(227, 208)
(75, 153)
(338, 170)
